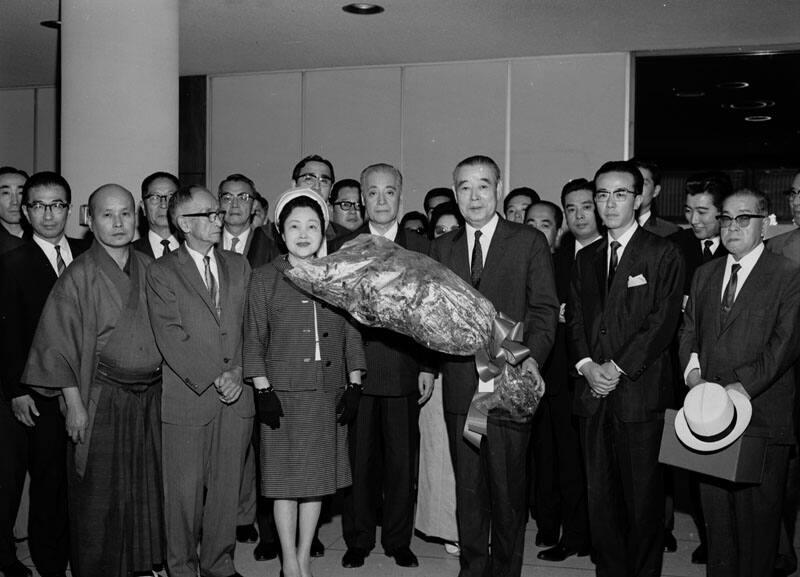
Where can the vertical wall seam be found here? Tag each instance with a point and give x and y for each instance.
(507, 163)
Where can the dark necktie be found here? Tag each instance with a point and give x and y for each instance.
(476, 267)
(730, 292)
(234, 242)
(211, 282)
(612, 267)
(707, 256)
(165, 244)
(61, 266)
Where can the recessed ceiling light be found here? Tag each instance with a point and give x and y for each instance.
(362, 8)
(757, 118)
(733, 85)
(688, 93)
(750, 105)
(51, 24)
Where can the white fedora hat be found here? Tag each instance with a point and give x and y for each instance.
(712, 417)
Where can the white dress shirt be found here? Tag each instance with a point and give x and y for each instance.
(199, 262)
(227, 237)
(49, 250)
(157, 247)
(486, 237)
(391, 234)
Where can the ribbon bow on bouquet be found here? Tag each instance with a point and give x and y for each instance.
(504, 347)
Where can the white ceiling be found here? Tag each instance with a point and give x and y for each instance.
(223, 36)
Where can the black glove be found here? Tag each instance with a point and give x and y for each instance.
(348, 404)
(268, 408)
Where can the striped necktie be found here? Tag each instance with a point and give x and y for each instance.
(211, 282)
(61, 266)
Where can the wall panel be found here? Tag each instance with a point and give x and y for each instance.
(46, 129)
(17, 116)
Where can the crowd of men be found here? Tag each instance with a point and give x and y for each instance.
(123, 398)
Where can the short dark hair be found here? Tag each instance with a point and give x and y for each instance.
(311, 158)
(558, 214)
(156, 176)
(439, 191)
(340, 184)
(414, 215)
(625, 166)
(521, 191)
(478, 160)
(651, 167)
(762, 201)
(236, 178)
(572, 186)
(715, 183)
(441, 210)
(43, 179)
(11, 170)
(262, 201)
(297, 202)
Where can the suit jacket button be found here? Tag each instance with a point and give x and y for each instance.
(324, 334)
(602, 331)
(327, 363)
(226, 360)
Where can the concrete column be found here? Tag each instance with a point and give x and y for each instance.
(119, 94)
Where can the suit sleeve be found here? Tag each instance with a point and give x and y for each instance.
(355, 357)
(687, 338)
(256, 328)
(541, 317)
(176, 345)
(783, 346)
(12, 334)
(657, 330)
(576, 330)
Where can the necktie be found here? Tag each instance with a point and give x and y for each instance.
(234, 242)
(614, 260)
(707, 256)
(61, 266)
(165, 244)
(476, 266)
(211, 282)
(730, 292)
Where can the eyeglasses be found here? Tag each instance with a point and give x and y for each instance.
(157, 199)
(620, 195)
(212, 215)
(742, 220)
(228, 197)
(57, 207)
(308, 178)
(347, 205)
(792, 193)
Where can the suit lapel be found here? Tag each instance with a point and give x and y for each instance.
(630, 257)
(189, 271)
(223, 282)
(460, 258)
(757, 283)
(600, 264)
(495, 256)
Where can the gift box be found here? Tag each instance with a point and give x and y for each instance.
(742, 461)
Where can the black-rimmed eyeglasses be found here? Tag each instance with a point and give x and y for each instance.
(742, 220)
(211, 215)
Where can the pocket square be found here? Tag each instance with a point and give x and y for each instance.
(637, 280)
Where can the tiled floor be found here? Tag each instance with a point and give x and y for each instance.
(434, 562)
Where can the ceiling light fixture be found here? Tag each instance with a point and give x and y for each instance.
(751, 105)
(688, 93)
(757, 118)
(733, 85)
(362, 8)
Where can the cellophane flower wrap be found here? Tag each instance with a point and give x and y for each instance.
(381, 284)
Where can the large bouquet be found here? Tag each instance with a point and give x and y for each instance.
(383, 285)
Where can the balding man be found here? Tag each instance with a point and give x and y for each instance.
(94, 344)
(196, 298)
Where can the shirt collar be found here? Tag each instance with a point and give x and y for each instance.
(391, 234)
(487, 230)
(198, 257)
(242, 236)
(625, 238)
(49, 247)
(749, 260)
(643, 217)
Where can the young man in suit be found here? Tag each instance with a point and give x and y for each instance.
(11, 182)
(509, 264)
(36, 441)
(196, 298)
(157, 189)
(651, 188)
(384, 438)
(559, 483)
(741, 331)
(622, 314)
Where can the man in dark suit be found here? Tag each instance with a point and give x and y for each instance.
(510, 265)
(741, 331)
(158, 239)
(196, 298)
(317, 174)
(36, 441)
(384, 438)
(699, 244)
(559, 483)
(788, 243)
(622, 314)
(237, 195)
(11, 182)
(651, 176)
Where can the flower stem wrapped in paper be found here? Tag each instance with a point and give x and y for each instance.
(383, 285)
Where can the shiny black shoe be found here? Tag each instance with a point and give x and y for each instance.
(15, 569)
(354, 557)
(404, 557)
(700, 555)
(670, 544)
(246, 534)
(560, 552)
(317, 548)
(545, 539)
(265, 551)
